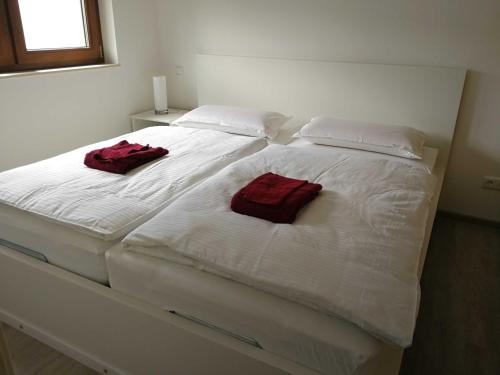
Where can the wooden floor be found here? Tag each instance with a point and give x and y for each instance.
(458, 329)
(30, 357)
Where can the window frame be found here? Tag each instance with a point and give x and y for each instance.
(7, 56)
(18, 58)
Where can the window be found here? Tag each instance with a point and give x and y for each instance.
(38, 34)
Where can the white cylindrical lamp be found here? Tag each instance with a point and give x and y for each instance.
(160, 95)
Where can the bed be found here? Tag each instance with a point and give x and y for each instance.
(69, 214)
(366, 224)
(126, 335)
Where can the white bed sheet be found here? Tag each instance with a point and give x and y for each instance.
(61, 222)
(352, 252)
(327, 344)
(107, 205)
(287, 131)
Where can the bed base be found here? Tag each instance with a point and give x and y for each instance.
(24, 250)
(116, 334)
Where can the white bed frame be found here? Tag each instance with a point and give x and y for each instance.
(117, 334)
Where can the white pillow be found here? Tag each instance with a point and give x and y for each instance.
(236, 120)
(386, 139)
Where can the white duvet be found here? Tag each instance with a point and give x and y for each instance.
(352, 252)
(106, 205)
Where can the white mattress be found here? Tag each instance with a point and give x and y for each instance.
(327, 344)
(61, 246)
(353, 252)
(73, 214)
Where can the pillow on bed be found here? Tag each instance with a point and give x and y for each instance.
(400, 141)
(236, 120)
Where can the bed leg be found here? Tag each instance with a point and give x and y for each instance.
(5, 359)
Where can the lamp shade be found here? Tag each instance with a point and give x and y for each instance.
(160, 94)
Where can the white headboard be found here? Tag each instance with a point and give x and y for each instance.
(426, 98)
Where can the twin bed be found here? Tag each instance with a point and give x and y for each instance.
(196, 288)
(71, 214)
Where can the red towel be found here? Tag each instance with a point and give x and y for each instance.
(271, 189)
(122, 157)
(279, 201)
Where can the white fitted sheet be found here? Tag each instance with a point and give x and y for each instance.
(329, 345)
(31, 214)
(353, 252)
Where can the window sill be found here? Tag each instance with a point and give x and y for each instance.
(56, 70)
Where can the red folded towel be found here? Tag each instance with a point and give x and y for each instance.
(122, 157)
(274, 198)
(271, 189)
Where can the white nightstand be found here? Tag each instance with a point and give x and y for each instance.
(143, 120)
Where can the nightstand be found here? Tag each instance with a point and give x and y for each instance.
(143, 120)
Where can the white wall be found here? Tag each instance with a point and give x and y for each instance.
(427, 32)
(44, 115)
